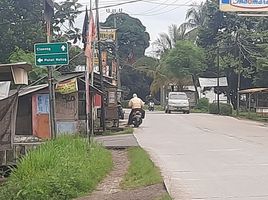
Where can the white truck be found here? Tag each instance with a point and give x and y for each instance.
(177, 101)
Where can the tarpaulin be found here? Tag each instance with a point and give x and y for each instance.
(8, 113)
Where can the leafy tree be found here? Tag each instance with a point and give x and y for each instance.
(132, 36)
(234, 34)
(24, 26)
(132, 42)
(186, 59)
(20, 55)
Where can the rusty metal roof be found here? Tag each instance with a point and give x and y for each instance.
(7, 67)
(31, 89)
(253, 90)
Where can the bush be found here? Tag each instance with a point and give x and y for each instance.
(124, 103)
(60, 169)
(225, 109)
(202, 104)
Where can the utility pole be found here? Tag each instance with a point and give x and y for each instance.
(115, 12)
(100, 66)
(218, 78)
(238, 73)
(50, 69)
(238, 84)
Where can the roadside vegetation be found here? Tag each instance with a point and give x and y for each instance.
(125, 130)
(164, 197)
(253, 116)
(64, 168)
(142, 171)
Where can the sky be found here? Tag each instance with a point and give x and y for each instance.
(155, 15)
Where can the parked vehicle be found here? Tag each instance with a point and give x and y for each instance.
(137, 118)
(177, 101)
(151, 106)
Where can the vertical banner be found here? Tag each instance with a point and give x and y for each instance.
(8, 113)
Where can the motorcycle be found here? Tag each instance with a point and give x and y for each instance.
(137, 118)
(151, 106)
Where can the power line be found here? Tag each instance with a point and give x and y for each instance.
(168, 4)
(153, 9)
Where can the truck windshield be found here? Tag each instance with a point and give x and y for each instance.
(178, 96)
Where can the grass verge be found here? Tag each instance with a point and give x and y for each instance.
(64, 168)
(164, 197)
(142, 171)
(252, 116)
(127, 130)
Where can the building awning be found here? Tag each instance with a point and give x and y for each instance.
(254, 90)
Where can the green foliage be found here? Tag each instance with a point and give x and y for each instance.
(132, 36)
(59, 169)
(142, 171)
(253, 116)
(23, 24)
(202, 104)
(225, 109)
(164, 197)
(128, 130)
(135, 82)
(185, 59)
(19, 55)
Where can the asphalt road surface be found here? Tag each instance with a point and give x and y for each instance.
(204, 156)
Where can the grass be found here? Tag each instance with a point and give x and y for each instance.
(142, 171)
(164, 197)
(64, 168)
(252, 116)
(127, 130)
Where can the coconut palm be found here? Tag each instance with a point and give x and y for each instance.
(166, 41)
(196, 17)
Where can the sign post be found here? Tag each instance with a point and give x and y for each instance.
(50, 54)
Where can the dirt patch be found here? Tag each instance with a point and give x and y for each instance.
(110, 189)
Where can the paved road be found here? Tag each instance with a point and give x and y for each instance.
(208, 157)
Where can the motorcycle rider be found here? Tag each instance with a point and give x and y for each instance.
(150, 99)
(135, 104)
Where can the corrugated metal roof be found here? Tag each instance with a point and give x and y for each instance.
(31, 89)
(66, 77)
(24, 65)
(253, 90)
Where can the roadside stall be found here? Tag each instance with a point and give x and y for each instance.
(256, 99)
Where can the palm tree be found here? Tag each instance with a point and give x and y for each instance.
(166, 41)
(161, 77)
(196, 17)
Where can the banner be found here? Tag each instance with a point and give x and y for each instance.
(67, 87)
(244, 5)
(107, 34)
(8, 113)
